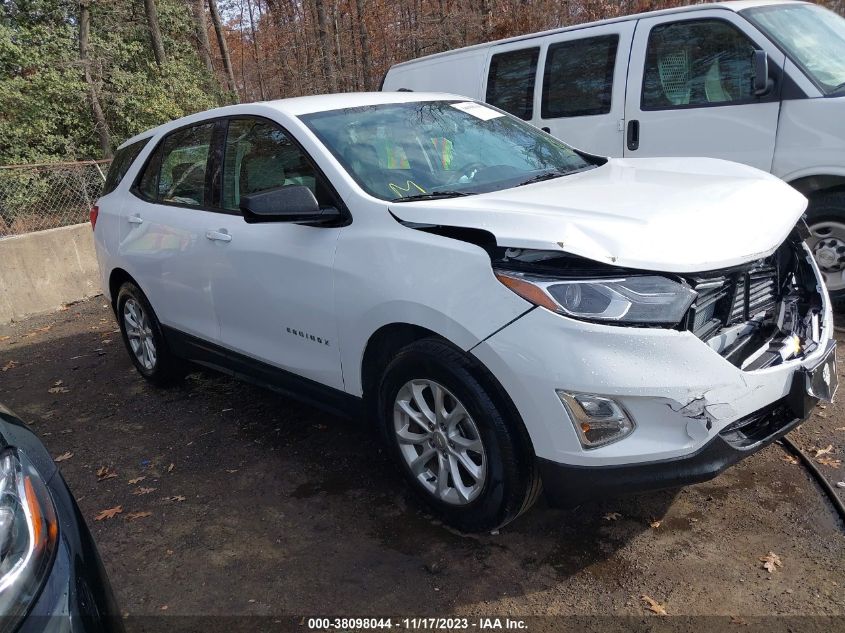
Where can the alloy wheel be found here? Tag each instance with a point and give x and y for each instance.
(440, 442)
(139, 333)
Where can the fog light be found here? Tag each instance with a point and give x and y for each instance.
(598, 420)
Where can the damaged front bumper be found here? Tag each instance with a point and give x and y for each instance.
(699, 404)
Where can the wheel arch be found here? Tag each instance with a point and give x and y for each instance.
(810, 185)
(386, 341)
(117, 278)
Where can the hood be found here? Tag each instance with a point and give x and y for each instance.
(663, 214)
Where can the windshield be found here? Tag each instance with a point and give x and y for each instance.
(812, 36)
(405, 151)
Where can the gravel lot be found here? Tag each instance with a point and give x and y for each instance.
(260, 505)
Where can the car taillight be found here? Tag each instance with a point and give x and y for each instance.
(95, 211)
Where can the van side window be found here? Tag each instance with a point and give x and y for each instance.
(578, 78)
(122, 161)
(261, 156)
(510, 84)
(697, 63)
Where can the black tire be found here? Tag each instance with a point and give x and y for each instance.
(512, 482)
(828, 207)
(166, 368)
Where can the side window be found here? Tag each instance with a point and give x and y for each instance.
(175, 171)
(578, 78)
(697, 63)
(121, 163)
(510, 84)
(259, 156)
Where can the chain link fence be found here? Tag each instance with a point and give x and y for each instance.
(49, 195)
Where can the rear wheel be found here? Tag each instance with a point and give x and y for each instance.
(464, 454)
(826, 219)
(143, 337)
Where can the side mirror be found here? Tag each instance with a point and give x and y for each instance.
(761, 83)
(293, 203)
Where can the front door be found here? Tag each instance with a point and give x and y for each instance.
(690, 89)
(272, 282)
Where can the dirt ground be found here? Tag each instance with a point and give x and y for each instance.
(260, 505)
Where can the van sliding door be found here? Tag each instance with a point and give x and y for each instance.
(580, 97)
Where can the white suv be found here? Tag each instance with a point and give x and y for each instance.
(508, 310)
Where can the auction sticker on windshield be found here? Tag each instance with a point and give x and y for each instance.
(477, 110)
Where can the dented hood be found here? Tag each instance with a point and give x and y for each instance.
(664, 214)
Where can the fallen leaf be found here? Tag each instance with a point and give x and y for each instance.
(830, 461)
(231, 471)
(5, 338)
(824, 451)
(58, 390)
(612, 516)
(738, 621)
(109, 513)
(839, 428)
(840, 484)
(58, 382)
(142, 491)
(655, 524)
(790, 459)
(137, 480)
(132, 516)
(10, 365)
(104, 472)
(63, 457)
(771, 561)
(652, 605)
(163, 607)
(175, 498)
(171, 467)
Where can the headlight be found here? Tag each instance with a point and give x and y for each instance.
(646, 299)
(28, 533)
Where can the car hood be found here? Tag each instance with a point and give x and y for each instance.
(664, 214)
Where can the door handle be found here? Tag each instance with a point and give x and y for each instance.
(218, 236)
(135, 219)
(633, 136)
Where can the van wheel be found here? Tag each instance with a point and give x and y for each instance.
(463, 454)
(826, 219)
(143, 338)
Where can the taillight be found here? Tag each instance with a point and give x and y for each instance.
(95, 211)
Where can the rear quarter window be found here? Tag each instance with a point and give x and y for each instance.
(122, 161)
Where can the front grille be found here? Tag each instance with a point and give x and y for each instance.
(733, 297)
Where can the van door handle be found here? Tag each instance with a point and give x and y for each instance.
(218, 236)
(135, 219)
(633, 135)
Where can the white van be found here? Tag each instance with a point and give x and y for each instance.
(756, 82)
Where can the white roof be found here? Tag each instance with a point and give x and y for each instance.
(731, 5)
(297, 106)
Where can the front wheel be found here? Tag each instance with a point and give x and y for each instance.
(464, 454)
(826, 219)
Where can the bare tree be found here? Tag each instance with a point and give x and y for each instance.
(224, 47)
(325, 45)
(201, 26)
(96, 109)
(155, 31)
(364, 43)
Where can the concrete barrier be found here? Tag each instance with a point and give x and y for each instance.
(45, 270)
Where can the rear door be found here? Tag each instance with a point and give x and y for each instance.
(581, 95)
(162, 234)
(690, 90)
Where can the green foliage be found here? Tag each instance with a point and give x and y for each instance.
(44, 109)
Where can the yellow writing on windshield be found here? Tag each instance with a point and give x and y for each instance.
(399, 191)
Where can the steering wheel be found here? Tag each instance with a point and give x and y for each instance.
(469, 170)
